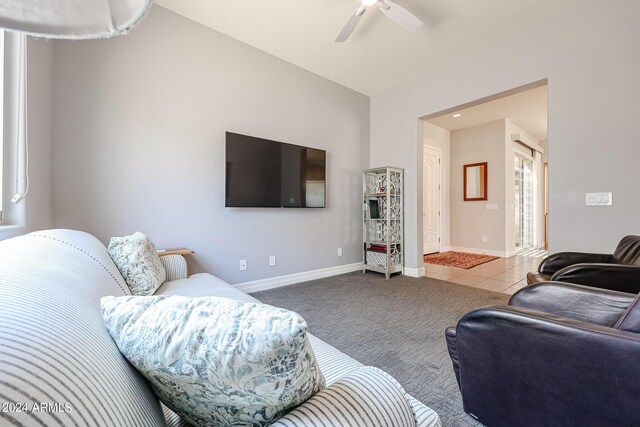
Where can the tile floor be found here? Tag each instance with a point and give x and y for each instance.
(505, 275)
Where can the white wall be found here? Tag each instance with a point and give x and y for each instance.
(34, 212)
(544, 159)
(591, 58)
(471, 220)
(139, 145)
(435, 136)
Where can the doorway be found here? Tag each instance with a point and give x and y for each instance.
(546, 206)
(431, 200)
(524, 212)
(492, 130)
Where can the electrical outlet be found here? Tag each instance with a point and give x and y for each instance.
(339, 251)
(599, 199)
(243, 264)
(272, 261)
(484, 239)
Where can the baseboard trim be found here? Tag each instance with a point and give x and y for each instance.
(290, 279)
(414, 272)
(490, 252)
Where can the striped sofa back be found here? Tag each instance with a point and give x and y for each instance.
(58, 364)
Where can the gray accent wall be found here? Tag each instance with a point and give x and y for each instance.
(470, 220)
(139, 138)
(591, 59)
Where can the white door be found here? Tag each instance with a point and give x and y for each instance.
(431, 200)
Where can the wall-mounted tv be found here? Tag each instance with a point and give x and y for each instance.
(268, 174)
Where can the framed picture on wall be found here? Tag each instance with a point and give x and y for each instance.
(475, 181)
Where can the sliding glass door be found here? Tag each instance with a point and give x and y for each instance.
(523, 201)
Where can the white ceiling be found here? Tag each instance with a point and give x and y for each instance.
(379, 54)
(526, 109)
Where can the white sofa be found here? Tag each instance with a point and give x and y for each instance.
(58, 364)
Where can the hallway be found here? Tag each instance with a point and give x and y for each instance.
(506, 275)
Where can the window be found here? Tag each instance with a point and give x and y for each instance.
(1, 124)
(13, 116)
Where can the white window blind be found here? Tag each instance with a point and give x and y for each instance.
(2, 102)
(13, 118)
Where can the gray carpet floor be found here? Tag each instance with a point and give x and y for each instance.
(397, 325)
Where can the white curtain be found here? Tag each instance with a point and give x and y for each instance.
(72, 19)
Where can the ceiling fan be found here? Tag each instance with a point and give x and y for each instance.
(396, 13)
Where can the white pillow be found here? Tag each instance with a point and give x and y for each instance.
(216, 361)
(137, 259)
(367, 397)
(175, 266)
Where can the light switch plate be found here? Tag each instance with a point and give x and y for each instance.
(599, 199)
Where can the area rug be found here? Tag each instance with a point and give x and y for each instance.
(458, 259)
(396, 325)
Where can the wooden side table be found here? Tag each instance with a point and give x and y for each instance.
(175, 251)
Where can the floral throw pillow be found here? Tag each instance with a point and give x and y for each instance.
(215, 361)
(137, 259)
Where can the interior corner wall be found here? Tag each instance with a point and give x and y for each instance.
(471, 220)
(589, 55)
(139, 138)
(435, 136)
(35, 211)
(545, 145)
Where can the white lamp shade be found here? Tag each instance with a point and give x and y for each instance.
(72, 19)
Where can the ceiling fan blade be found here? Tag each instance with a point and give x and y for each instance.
(399, 15)
(351, 25)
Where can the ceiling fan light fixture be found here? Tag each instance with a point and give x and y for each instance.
(72, 19)
(394, 12)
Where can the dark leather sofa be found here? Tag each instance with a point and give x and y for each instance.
(558, 355)
(619, 271)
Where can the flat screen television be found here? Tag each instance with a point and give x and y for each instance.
(268, 174)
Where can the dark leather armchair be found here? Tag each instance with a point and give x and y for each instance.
(619, 271)
(557, 355)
